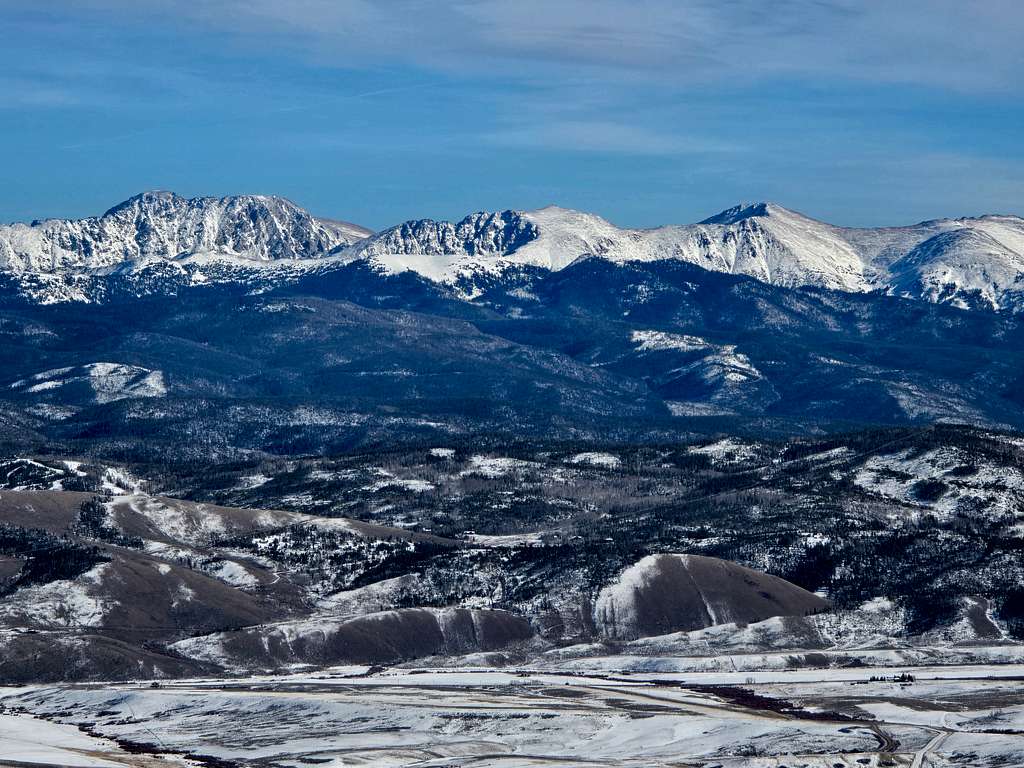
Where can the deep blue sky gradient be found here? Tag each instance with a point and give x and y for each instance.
(645, 112)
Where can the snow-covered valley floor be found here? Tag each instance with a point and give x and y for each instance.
(352, 716)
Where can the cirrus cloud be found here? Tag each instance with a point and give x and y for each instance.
(935, 43)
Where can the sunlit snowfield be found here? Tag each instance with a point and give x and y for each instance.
(352, 716)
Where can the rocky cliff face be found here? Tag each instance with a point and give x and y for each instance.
(494, 234)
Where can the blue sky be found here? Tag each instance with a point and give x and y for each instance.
(645, 111)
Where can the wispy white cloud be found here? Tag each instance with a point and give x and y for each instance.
(937, 43)
(606, 136)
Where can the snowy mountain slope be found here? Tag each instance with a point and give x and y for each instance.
(552, 238)
(972, 261)
(164, 225)
(968, 267)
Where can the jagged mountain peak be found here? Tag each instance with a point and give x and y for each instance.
(162, 201)
(484, 233)
(147, 198)
(758, 210)
(164, 225)
(738, 213)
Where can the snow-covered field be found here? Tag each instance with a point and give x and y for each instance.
(948, 716)
(29, 740)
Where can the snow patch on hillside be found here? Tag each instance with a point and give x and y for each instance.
(653, 341)
(232, 573)
(372, 598)
(108, 381)
(496, 466)
(189, 525)
(118, 481)
(62, 603)
(415, 485)
(597, 459)
(727, 451)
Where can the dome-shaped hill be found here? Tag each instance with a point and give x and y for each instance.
(674, 593)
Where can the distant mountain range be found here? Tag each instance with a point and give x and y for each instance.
(217, 327)
(163, 241)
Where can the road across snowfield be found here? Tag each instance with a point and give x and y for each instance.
(818, 719)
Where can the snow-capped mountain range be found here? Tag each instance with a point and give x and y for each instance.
(967, 262)
(163, 225)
